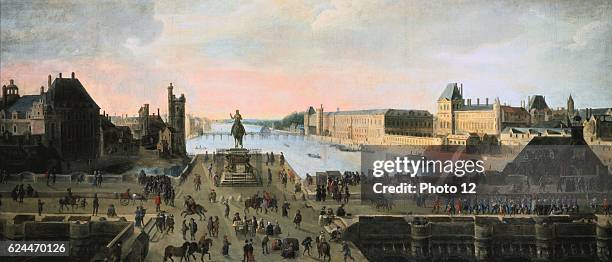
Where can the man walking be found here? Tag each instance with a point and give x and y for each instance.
(193, 229)
(184, 229)
(40, 207)
(95, 205)
(264, 245)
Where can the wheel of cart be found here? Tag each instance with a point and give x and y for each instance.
(124, 199)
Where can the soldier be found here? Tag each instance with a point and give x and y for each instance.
(307, 243)
(95, 205)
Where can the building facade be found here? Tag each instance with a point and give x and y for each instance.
(368, 126)
(457, 116)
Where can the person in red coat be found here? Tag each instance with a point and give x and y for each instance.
(157, 203)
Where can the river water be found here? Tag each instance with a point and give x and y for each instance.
(295, 149)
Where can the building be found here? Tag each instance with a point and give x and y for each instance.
(598, 130)
(480, 238)
(62, 125)
(368, 126)
(176, 120)
(520, 136)
(457, 115)
(64, 118)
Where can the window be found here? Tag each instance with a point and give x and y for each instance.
(15, 129)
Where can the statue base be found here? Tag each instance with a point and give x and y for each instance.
(237, 167)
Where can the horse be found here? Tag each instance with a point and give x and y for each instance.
(253, 202)
(67, 202)
(323, 249)
(202, 247)
(199, 210)
(238, 132)
(172, 251)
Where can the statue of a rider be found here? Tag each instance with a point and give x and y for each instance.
(237, 129)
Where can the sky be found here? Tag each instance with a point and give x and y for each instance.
(271, 58)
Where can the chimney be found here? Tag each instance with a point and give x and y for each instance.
(487, 101)
(478, 101)
(42, 90)
(11, 82)
(60, 75)
(49, 82)
(158, 111)
(72, 75)
(461, 89)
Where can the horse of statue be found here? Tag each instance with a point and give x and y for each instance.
(237, 129)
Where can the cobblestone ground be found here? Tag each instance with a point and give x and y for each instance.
(309, 226)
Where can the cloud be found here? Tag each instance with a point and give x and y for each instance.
(273, 57)
(34, 29)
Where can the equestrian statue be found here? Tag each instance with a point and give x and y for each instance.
(237, 129)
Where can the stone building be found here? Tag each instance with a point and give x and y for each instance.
(176, 120)
(480, 238)
(368, 126)
(457, 115)
(64, 119)
(598, 129)
(88, 239)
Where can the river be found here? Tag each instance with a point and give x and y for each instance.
(295, 149)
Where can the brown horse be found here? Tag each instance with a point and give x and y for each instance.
(172, 251)
(202, 247)
(253, 202)
(199, 210)
(323, 249)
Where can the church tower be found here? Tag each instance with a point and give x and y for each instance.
(570, 106)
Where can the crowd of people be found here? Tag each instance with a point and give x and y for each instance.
(158, 185)
(337, 187)
(508, 205)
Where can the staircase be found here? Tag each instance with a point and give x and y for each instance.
(239, 179)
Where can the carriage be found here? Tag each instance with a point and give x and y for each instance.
(240, 227)
(124, 198)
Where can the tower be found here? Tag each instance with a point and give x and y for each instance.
(450, 100)
(10, 94)
(570, 106)
(170, 105)
(319, 118)
(179, 124)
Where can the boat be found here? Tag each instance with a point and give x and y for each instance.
(287, 145)
(314, 155)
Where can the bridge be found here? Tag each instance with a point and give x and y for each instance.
(274, 135)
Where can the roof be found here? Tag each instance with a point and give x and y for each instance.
(451, 92)
(310, 111)
(361, 112)
(477, 107)
(387, 112)
(68, 91)
(538, 102)
(537, 130)
(514, 109)
(594, 111)
(555, 140)
(22, 106)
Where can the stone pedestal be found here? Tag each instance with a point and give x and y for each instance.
(237, 169)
